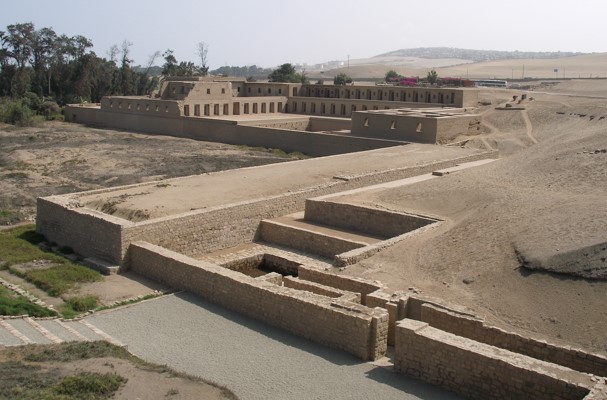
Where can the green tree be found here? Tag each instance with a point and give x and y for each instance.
(391, 75)
(342, 79)
(126, 75)
(170, 63)
(432, 77)
(287, 73)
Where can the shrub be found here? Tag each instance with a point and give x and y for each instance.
(89, 385)
(50, 110)
(83, 303)
(16, 112)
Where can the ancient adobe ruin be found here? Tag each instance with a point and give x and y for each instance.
(268, 241)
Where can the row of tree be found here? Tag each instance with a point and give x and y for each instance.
(65, 69)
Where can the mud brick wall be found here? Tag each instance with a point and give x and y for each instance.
(356, 329)
(480, 371)
(475, 329)
(363, 219)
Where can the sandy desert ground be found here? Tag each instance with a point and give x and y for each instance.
(544, 201)
(58, 158)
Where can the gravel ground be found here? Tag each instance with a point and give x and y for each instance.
(252, 359)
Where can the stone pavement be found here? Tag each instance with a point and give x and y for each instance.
(252, 359)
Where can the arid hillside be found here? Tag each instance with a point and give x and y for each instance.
(583, 66)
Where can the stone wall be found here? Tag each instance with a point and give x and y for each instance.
(315, 144)
(317, 288)
(342, 282)
(308, 241)
(480, 371)
(347, 326)
(363, 219)
(475, 329)
(329, 124)
(226, 131)
(65, 226)
(394, 306)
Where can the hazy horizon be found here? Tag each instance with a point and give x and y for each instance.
(272, 32)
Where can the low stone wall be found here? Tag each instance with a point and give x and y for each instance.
(307, 241)
(347, 326)
(475, 329)
(230, 132)
(317, 288)
(480, 371)
(296, 123)
(342, 282)
(329, 124)
(316, 144)
(382, 223)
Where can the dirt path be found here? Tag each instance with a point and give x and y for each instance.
(529, 126)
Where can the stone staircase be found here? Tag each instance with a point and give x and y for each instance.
(26, 330)
(294, 231)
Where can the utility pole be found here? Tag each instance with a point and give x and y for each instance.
(523, 77)
(348, 63)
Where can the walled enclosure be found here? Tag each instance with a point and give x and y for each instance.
(439, 344)
(345, 325)
(208, 109)
(64, 221)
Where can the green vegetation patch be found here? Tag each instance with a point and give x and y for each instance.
(89, 385)
(23, 378)
(78, 305)
(11, 304)
(72, 351)
(22, 381)
(19, 245)
(60, 279)
(8, 217)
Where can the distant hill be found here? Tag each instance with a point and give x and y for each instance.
(476, 55)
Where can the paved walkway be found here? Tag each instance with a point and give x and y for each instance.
(254, 360)
(20, 331)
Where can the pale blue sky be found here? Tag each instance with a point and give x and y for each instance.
(271, 32)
